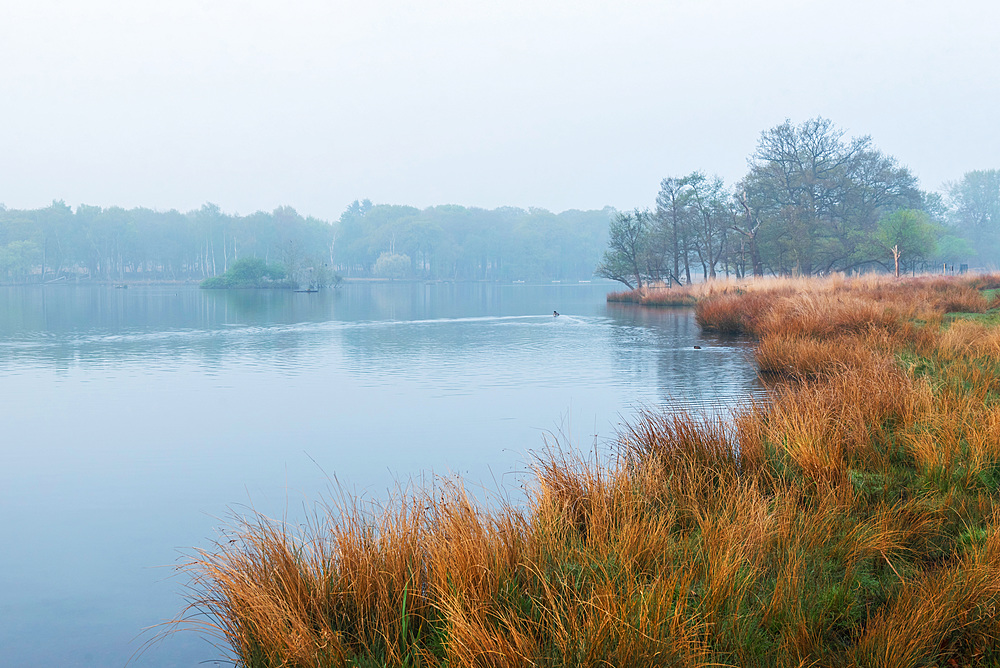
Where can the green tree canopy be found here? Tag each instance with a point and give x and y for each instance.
(392, 265)
(909, 236)
(819, 197)
(628, 240)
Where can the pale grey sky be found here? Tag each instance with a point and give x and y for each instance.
(557, 104)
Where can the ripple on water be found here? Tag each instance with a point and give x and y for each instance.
(163, 415)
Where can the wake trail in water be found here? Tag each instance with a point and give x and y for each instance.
(239, 331)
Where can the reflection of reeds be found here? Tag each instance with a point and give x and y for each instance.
(852, 519)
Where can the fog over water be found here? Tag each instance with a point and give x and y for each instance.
(562, 104)
(136, 421)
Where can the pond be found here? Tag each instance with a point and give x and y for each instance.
(137, 421)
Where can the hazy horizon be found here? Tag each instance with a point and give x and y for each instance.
(563, 105)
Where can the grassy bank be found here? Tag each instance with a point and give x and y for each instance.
(852, 519)
(689, 295)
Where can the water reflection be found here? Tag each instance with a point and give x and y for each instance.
(712, 377)
(134, 418)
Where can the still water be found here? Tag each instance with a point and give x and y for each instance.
(135, 422)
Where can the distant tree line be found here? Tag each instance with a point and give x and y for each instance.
(442, 242)
(455, 242)
(812, 202)
(115, 244)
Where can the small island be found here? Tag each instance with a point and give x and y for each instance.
(256, 273)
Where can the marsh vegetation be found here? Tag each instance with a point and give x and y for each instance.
(851, 518)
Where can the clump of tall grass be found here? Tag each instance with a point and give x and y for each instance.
(851, 518)
(657, 295)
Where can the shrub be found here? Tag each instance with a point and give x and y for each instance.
(250, 272)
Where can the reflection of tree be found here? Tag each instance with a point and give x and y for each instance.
(101, 326)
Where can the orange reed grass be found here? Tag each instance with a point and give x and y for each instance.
(851, 518)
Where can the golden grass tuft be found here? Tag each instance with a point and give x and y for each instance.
(949, 614)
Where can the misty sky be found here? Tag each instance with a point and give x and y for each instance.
(254, 104)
